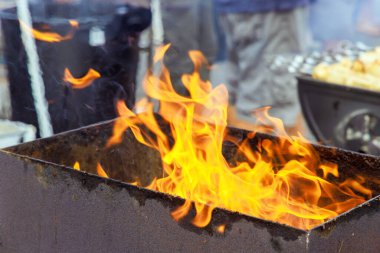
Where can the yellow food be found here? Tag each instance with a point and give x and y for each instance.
(363, 72)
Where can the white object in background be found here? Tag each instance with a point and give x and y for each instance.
(13, 133)
(5, 99)
(34, 69)
(97, 37)
(157, 26)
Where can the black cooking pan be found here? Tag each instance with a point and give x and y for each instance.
(342, 116)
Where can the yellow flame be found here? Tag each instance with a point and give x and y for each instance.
(221, 228)
(49, 36)
(76, 166)
(100, 171)
(74, 23)
(83, 82)
(280, 180)
(135, 183)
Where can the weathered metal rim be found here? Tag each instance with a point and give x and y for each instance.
(160, 195)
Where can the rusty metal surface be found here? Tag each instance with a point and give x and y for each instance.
(45, 207)
(48, 208)
(354, 231)
(125, 162)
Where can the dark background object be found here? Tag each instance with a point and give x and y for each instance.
(341, 116)
(48, 207)
(116, 60)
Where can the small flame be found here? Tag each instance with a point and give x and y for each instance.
(100, 171)
(48, 36)
(74, 23)
(181, 211)
(221, 229)
(283, 180)
(83, 82)
(76, 166)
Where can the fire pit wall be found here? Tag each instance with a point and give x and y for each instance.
(125, 162)
(47, 206)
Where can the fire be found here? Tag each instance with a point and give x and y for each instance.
(49, 36)
(83, 82)
(76, 166)
(280, 180)
(100, 171)
(221, 228)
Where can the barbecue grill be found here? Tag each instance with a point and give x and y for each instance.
(346, 117)
(49, 207)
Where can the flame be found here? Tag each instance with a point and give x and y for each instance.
(83, 82)
(135, 183)
(280, 180)
(48, 36)
(221, 228)
(100, 171)
(76, 166)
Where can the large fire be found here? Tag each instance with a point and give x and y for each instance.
(283, 181)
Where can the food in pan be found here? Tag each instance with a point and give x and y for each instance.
(363, 72)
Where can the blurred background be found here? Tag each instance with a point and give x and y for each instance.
(64, 64)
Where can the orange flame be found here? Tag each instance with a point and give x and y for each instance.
(283, 181)
(83, 82)
(100, 171)
(221, 228)
(48, 36)
(76, 166)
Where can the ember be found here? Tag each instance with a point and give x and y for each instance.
(283, 181)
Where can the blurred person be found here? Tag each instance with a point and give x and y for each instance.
(188, 25)
(256, 31)
(334, 21)
(367, 21)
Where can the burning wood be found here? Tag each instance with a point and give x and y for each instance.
(283, 181)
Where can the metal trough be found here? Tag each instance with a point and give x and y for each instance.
(46, 206)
